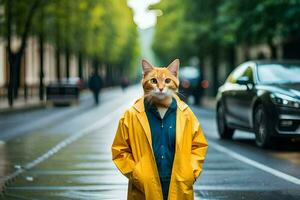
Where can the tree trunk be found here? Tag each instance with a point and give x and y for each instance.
(215, 66)
(14, 74)
(41, 85)
(10, 95)
(80, 71)
(231, 58)
(41, 49)
(57, 55)
(246, 52)
(273, 50)
(67, 63)
(17, 75)
(14, 65)
(14, 58)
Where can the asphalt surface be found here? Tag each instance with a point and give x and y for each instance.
(64, 153)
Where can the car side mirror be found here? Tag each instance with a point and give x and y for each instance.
(244, 80)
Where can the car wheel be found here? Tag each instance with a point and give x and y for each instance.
(262, 128)
(224, 131)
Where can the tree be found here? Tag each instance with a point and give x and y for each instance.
(23, 25)
(185, 30)
(170, 31)
(97, 30)
(254, 22)
(213, 28)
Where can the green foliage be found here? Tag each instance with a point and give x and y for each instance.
(170, 31)
(2, 17)
(101, 30)
(189, 28)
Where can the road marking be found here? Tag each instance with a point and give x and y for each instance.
(99, 124)
(255, 164)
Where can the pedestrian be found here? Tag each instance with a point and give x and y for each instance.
(124, 83)
(159, 144)
(95, 85)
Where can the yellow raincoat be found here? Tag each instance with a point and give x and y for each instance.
(133, 155)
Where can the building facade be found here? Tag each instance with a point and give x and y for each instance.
(30, 67)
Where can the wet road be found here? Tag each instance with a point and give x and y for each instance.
(64, 153)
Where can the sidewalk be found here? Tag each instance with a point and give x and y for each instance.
(33, 103)
(21, 105)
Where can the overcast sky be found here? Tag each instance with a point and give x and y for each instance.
(143, 17)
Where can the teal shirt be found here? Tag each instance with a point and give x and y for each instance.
(163, 134)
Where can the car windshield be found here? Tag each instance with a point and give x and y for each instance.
(279, 73)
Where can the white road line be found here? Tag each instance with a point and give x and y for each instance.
(255, 164)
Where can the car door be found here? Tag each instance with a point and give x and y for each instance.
(244, 96)
(231, 102)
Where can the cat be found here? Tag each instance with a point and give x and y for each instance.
(160, 84)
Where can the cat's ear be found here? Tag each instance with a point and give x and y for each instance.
(146, 66)
(174, 67)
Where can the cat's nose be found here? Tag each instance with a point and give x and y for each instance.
(161, 89)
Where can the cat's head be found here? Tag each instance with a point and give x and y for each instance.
(160, 83)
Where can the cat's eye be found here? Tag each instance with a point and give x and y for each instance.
(153, 81)
(167, 80)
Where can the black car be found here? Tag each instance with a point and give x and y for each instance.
(190, 83)
(262, 97)
(64, 92)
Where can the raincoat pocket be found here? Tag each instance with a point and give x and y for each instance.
(186, 186)
(186, 183)
(137, 178)
(184, 170)
(185, 177)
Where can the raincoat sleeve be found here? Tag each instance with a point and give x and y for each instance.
(199, 148)
(121, 150)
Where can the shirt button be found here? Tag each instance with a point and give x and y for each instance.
(162, 157)
(170, 127)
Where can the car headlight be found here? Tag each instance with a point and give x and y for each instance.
(285, 100)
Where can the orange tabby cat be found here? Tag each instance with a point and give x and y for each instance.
(160, 84)
(139, 139)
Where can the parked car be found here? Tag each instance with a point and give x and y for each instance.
(262, 97)
(190, 83)
(64, 92)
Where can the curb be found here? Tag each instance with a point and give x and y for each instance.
(39, 105)
(23, 108)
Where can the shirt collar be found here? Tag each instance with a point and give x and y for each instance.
(148, 105)
(173, 105)
(139, 104)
